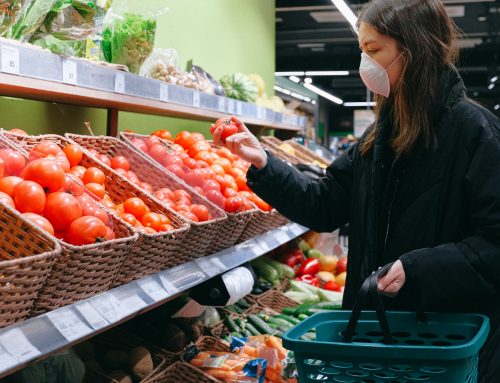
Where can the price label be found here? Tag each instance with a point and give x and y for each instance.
(6, 360)
(120, 83)
(167, 285)
(264, 246)
(163, 92)
(222, 104)
(10, 59)
(109, 307)
(239, 108)
(282, 237)
(211, 266)
(68, 324)
(296, 230)
(295, 120)
(91, 315)
(230, 104)
(261, 113)
(70, 75)
(132, 304)
(153, 290)
(196, 99)
(17, 345)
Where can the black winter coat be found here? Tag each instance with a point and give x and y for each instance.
(437, 210)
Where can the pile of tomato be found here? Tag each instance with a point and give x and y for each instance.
(212, 171)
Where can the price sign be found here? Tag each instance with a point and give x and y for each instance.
(70, 75)
(153, 290)
(261, 113)
(91, 315)
(10, 59)
(132, 304)
(109, 307)
(167, 285)
(17, 345)
(211, 266)
(196, 99)
(120, 83)
(222, 104)
(282, 237)
(239, 108)
(163, 92)
(68, 324)
(6, 360)
(231, 108)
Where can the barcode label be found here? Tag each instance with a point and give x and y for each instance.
(70, 75)
(68, 324)
(239, 108)
(196, 99)
(17, 345)
(163, 92)
(120, 83)
(109, 307)
(10, 59)
(6, 360)
(91, 315)
(222, 104)
(153, 290)
(167, 285)
(132, 304)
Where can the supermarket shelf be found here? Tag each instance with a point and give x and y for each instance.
(35, 338)
(36, 74)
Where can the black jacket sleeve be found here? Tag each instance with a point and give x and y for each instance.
(322, 205)
(466, 275)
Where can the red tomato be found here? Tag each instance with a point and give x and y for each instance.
(85, 230)
(236, 172)
(173, 159)
(152, 220)
(164, 219)
(233, 204)
(162, 194)
(231, 183)
(247, 205)
(166, 227)
(159, 153)
(342, 265)
(149, 230)
(7, 200)
(135, 206)
(14, 162)
(72, 185)
(50, 150)
(180, 194)
(229, 128)
(177, 170)
(93, 175)
(29, 197)
(190, 162)
(164, 134)
(132, 177)
(104, 159)
(218, 169)
(78, 171)
(129, 218)
(221, 181)
(241, 182)
(108, 203)
(194, 179)
(110, 234)
(18, 131)
(260, 203)
(98, 191)
(2, 168)
(228, 192)
(152, 141)
(198, 146)
(183, 139)
(139, 144)
(216, 198)
(61, 209)
(120, 162)
(225, 163)
(146, 187)
(211, 184)
(73, 153)
(177, 148)
(225, 153)
(189, 215)
(201, 164)
(46, 172)
(197, 136)
(95, 211)
(201, 212)
(7, 184)
(40, 221)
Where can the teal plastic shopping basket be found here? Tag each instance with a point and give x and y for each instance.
(387, 347)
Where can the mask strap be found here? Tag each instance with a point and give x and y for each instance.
(394, 62)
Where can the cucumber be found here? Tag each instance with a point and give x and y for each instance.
(281, 322)
(246, 333)
(231, 325)
(289, 311)
(326, 306)
(288, 318)
(241, 324)
(282, 269)
(227, 338)
(303, 317)
(275, 265)
(243, 304)
(260, 325)
(265, 270)
(235, 309)
(263, 316)
(236, 334)
(252, 329)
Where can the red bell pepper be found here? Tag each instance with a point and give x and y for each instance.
(309, 266)
(309, 279)
(332, 286)
(292, 258)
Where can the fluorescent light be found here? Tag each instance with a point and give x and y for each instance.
(324, 94)
(286, 74)
(482, 18)
(491, 86)
(308, 80)
(293, 94)
(497, 107)
(294, 79)
(346, 12)
(313, 102)
(359, 104)
(327, 73)
(494, 79)
(311, 45)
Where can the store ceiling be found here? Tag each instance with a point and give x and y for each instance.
(313, 35)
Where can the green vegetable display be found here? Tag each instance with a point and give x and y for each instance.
(239, 87)
(8, 13)
(30, 18)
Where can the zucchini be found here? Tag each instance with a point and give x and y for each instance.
(260, 325)
(252, 329)
(231, 325)
(243, 304)
(288, 318)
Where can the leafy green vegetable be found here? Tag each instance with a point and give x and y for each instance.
(31, 17)
(9, 11)
(129, 40)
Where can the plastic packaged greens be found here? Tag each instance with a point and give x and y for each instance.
(129, 35)
(30, 17)
(9, 10)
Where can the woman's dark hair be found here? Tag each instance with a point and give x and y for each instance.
(427, 38)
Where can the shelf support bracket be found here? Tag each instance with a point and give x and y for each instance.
(112, 123)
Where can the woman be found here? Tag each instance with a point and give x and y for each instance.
(421, 188)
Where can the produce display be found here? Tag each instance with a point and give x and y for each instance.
(29, 19)
(239, 87)
(8, 14)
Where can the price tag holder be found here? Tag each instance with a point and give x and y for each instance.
(167, 285)
(222, 104)
(196, 99)
(68, 324)
(153, 290)
(264, 246)
(163, 92)
(261, 113)
(282, 237)
(296, 230)
(230, 104)
(10, 59)
(239, 108)
(6, 360)
(119, 83)
(70, 74)
(109, 307)
(132, 304)
(211, 266)
(17, 345)
(91, 315)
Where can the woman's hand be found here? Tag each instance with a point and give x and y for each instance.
(243, 144)
(393, 281)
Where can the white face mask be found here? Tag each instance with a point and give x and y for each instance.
(375, 76)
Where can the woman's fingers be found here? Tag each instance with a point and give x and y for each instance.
(217, 136)
(241, 126)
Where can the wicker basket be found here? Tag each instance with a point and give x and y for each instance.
(208, 343)
(27, 256)
(261, 223)
(269, 143)
(275, 300)
(235, 224)
(307, 153)
(183, 372)
(201, 234)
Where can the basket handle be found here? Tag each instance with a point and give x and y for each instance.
(369, 290)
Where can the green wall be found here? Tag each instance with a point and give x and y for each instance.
(221, 36)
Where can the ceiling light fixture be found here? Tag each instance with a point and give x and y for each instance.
(327, 73)
(347, 13)
(286, 74)
(491, 86)
(359, 104)
(308, 80)
(482, 18)
(497, 107)
(324, 94)
(295, 79)
(293, 94)
(494, 79)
